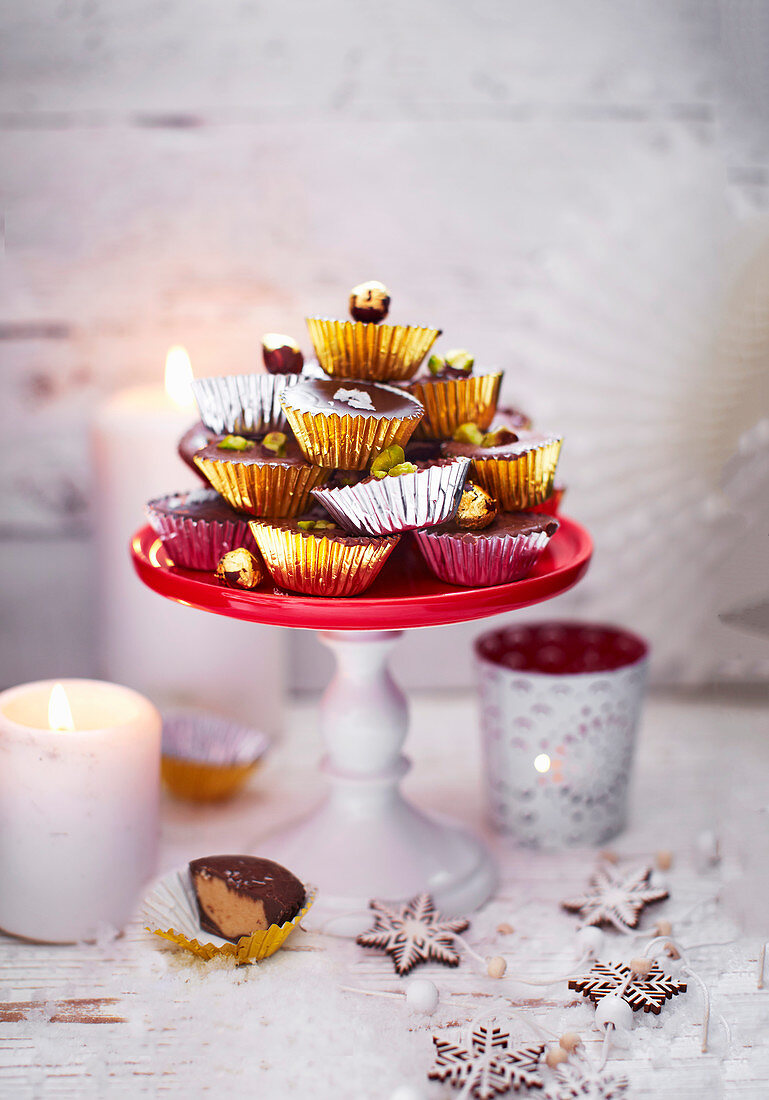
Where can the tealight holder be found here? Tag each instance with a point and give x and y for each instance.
(560, 705)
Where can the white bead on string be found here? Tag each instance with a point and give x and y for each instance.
(614, 1011)
(590, 941)
(422, 996)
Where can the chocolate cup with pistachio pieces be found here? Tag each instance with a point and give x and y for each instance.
(345, 424)
(317, 558)
(373, 352)
(243, 404)
(518, 474)
(259, 481)
(455, 400)
(197, 527)
(507, 550)
(425, 495)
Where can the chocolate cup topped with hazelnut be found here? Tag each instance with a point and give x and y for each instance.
(517, 467)
(316, 557)
(505, 550)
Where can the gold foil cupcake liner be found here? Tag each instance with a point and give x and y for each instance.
(378, 353)
(450, 402)
(518, 482)
(206, 757)
(198, 782)
(170, 911)
(263, 490)
(347, 442)
(317, 565)
(242, 404)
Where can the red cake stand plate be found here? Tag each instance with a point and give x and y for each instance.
(366, 840)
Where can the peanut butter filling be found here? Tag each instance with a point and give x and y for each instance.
(234, 914)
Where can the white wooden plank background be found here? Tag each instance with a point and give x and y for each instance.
(129, 1018)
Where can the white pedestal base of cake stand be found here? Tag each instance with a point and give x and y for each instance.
(366, 840)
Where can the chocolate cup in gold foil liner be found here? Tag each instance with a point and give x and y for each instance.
(207, 758)
(450, 402)
(269, 489)
(243, 404)
(378, 353)
(170, 911)
(518, 482)
(421, 499)
(347, 442)
(319, 565)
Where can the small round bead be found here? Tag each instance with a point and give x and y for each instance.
(641, 967)
(590, 940)
(664, 859)
(555, 1056)
(663, 928)
(708, 848)
(505, 929)
(422, 996)
(615, 1010)
(496, 966)
(407, 1092)
(608, 856)
(569, 1041)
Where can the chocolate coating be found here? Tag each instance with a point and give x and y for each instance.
(506, 523)
(527, 441)
(260, 880)
(448, 374)
(196, 504)
(317, 395)
(335, 534)
(195, 438)
(507, 417)
(257, 455)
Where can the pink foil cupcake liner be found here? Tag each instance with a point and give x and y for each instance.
(243, 404)
(383, 507)
(476, 560)
(199, 543)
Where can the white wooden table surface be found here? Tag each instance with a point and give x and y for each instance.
(131, 1018)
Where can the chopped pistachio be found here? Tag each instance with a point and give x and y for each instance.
(469, 432)
(234, 443)
(460, 359)
(386, 459)
(276, 442)
(402, 468)
(435, 364)
(315, 524)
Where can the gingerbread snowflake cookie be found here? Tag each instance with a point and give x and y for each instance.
(648, 992)
(616, 897)
(413, 933)
(489, 1066)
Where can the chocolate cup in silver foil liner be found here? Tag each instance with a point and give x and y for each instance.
(403, 503)
(473, 559)
(197, 543)
(243, 404)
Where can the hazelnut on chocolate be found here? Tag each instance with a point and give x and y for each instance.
(281, 354)
(369, 302)
(476, 508)
(239, 569)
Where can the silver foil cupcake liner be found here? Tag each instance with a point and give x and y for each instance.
(404, 503)
(199, 543)
(210, 739)
(475, 560)
(243, 404)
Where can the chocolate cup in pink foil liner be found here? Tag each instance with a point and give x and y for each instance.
(560, 706)
(243, 404)
(383, 507)
(476, 560)
(197, 543)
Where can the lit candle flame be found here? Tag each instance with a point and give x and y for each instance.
(179, 376)
(542, 763)
(59, 712)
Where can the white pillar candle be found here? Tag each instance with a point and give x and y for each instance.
(78, 808)
(176, 655)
